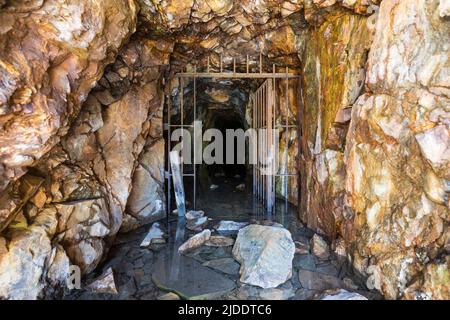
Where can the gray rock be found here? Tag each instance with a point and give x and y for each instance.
(194, 215)
(304, 261)
(319, 247)
(318, 281)
(301, 248)
(283, 292)
(219, 241)
(305, 294)
(265, 254)
(225, 265)
(329, 269)
(104, 284)
(230, 225)
(342, 294)
(197, 224)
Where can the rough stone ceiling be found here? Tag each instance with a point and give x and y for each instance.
(236, 28)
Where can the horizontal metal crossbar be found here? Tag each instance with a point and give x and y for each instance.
(242, 75)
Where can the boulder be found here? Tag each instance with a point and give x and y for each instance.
(265, 254)
(195, 241)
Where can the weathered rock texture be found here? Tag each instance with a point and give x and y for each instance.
(334, 60)
(398, 156)
(265, 254)
(52, 55)
(375, 143)
(101, 174)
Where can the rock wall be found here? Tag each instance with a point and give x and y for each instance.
(334, 60)
(379, 185)
(397, 154)
(103, 175)
(52, 55)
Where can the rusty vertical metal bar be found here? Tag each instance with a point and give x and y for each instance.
(221, 64)
(270, 144)
(234, 65)
(194, 200)
(207, 68)
(259, 144)
(247, 64)
(252, 99)
(264, 111)
(275, 143)
(182, 122)
(260, 63)
(286, 181)
(169, 183)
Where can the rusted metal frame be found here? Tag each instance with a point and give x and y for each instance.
(274, 91)
(169, 125)
(237, 75)
(260, 152)
(286, 178)
(258, 124)
(262, 98)
(182, 123)
(168, 175)
(195, 144)
(252, 99)
(270, 143)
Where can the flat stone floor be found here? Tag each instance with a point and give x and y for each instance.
(211, 272)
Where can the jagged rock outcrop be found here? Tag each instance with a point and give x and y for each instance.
(334, 61)
(91, 173)
(52, 55)
(397, 155)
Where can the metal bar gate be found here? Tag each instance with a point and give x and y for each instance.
(264, 117)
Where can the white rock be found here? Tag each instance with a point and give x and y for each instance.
(343, 295)
(319, 247)
(444, 8)
(192, 215)
(241, 187)
(230, 225)
(213, 187)
(195, 241)
(265, 254)
(155, 235)
(197, 224)
(104, 284)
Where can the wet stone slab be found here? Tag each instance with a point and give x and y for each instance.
(189, 279)
(225, 265)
